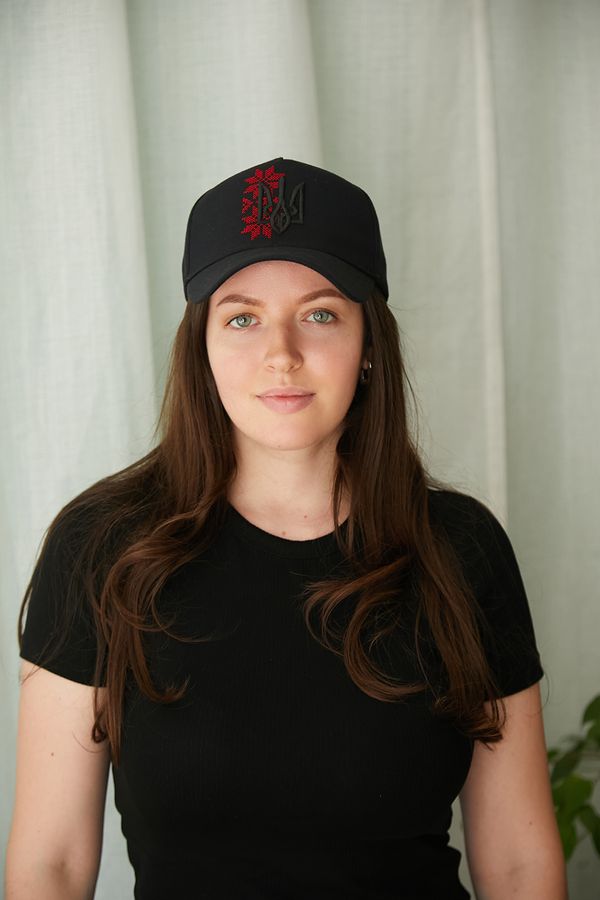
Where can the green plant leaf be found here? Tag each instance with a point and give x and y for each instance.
(591, 820)
(596, 837)
(592, 711)
(570, 795)
(564, 765)
(593, 734)
(568, 837)
(588, 816)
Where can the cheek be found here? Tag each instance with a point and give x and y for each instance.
(226, 364)
(234, 376)
(342, 368)
(230, 378)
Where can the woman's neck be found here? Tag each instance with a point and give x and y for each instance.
(287, 493)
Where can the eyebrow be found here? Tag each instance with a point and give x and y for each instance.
(306, 298)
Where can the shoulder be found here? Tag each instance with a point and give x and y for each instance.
(458, 511)
(72, 559)
(477, 536)
(86, 526)
(60, 552)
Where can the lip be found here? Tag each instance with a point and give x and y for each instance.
(286, 400)
(286, 392)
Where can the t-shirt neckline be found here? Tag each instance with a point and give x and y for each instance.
(280, 546)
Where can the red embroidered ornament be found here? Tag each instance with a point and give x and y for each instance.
(260, 190)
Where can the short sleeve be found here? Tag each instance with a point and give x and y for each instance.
(59, 633)
(503, 613)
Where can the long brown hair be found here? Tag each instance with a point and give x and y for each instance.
(137, 526)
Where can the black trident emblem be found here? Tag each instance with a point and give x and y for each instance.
(283, 214)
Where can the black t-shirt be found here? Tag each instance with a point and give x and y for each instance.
(275, 776)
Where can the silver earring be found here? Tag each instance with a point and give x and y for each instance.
(365, 374)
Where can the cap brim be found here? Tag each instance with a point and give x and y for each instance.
(351, 281)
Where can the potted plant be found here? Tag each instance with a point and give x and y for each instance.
(575, 770)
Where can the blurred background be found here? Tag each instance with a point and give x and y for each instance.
(474, 125)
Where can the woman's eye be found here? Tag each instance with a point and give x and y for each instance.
(241, 321)
(322, 316)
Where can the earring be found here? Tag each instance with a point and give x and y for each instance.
(365, 374)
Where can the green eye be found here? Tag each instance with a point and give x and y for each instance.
(322, 316)
(241, 321)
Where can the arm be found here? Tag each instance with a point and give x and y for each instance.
(511, 837)
(55, 840)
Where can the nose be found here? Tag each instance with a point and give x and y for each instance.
(282, 353)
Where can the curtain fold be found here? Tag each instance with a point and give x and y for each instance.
(474, 126)
(218, 86)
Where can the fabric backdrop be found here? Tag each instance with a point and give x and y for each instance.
(473, 125)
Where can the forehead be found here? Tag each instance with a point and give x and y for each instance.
(269, 277)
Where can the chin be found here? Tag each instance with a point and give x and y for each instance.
(273, 442)
(291, 438)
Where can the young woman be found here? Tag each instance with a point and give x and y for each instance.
(293, 646)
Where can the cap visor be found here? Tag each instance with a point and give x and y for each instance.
(354, 283)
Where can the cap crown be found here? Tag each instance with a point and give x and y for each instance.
(279, 205)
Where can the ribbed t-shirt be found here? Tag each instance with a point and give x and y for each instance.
(275, 776)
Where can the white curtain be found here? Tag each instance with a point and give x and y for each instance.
(475, 128)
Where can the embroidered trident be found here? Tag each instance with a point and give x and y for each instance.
(283, 215)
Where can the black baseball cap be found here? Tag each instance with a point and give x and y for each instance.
(284, 209)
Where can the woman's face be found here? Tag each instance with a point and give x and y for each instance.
(285, 348)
